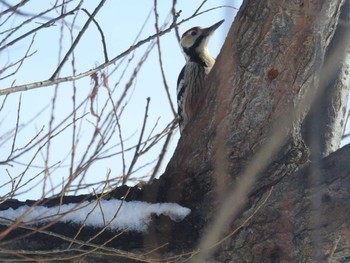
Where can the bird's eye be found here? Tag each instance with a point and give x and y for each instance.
(193, 33)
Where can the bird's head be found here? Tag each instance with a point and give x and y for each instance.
(196, 39)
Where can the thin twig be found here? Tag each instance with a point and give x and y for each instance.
(16, 129)
(161, 60)
(163, 151)
(76, 41)
(3, 102)
(136, 155)
(51, 82)
(119, 131)
(101, 33)
(13, 8)
(45, 25)
(134, 74)
(333, 249)
(175, 17)
(20, 62)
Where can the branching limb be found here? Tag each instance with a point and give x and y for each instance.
(76, 41)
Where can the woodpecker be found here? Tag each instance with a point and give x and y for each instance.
(194, 44)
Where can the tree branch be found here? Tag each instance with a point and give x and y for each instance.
(77, 39)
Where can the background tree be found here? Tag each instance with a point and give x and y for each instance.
(243, 165)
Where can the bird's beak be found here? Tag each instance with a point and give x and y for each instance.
(209, 30)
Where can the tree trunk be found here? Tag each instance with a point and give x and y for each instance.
(323, 127)
(248, 136)
(241, 164)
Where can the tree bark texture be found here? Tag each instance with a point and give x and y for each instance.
(242, 163)
(305, 219)
(324, 124)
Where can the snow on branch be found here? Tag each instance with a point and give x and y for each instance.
(115, 214)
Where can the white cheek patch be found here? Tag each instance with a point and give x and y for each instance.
(187, 41)
(203, 47)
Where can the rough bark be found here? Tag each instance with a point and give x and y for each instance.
(303, 219)
(242, 163)
(324, 124)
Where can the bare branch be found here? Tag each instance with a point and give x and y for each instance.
(136, 154)
(16, 129)
(45, 25)
(101, 33)
(12, 8)
(51, 82)
(20, 62)
(164, 149)
(161, 61)
(76, 41)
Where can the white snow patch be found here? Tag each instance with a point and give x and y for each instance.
(115, 214)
